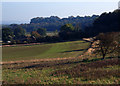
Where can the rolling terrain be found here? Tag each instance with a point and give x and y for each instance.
(74, 67)
(43, 51)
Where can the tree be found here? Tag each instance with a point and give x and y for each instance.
(41, 31)
(35, 35)
(78, 31)
(19, 32)
(78, 27)
(56, 32)
(67, 28)
(52, 23)
(106, 44)
(107, 22)
(7, 34)
(66, 31)
(118, 41)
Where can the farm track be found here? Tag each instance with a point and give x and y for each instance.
(21, 45)
(41, 60)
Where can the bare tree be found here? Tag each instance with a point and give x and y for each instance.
(106, 44)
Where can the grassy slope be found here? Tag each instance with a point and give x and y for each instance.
(91, 72)
(53, 50)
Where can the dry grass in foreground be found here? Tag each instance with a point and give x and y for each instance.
(93, 70)
(82, 71)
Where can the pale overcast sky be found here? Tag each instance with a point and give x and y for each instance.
(22, 12)
(59, 0)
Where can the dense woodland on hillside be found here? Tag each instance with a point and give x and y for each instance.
(54, 22)
(71, 28)
(107, 22)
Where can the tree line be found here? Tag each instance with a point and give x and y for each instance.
(106, 22)
(54, 22)
(19, 35)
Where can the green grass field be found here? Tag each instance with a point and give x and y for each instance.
(71, 71)
(52, 50)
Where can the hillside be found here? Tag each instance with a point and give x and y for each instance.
(44, 51)
(107, 22)
(54, 22)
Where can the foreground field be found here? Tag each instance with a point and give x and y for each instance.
(80, 69)
(92, 71)
(52, 50)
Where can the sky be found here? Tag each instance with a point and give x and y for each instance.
(22, 12)
(59, 0)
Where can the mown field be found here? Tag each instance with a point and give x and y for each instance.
(83, 70)
(52, 50)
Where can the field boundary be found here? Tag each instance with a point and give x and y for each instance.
(39, 60)
(21, 44)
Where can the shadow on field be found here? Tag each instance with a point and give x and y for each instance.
(67, 62)
(63, 62)
(91, 71)
(73, 50)
(51, 64)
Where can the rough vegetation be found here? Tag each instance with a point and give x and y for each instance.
(63, 72)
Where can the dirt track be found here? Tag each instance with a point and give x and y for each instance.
(42, 60)
(21, 44)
